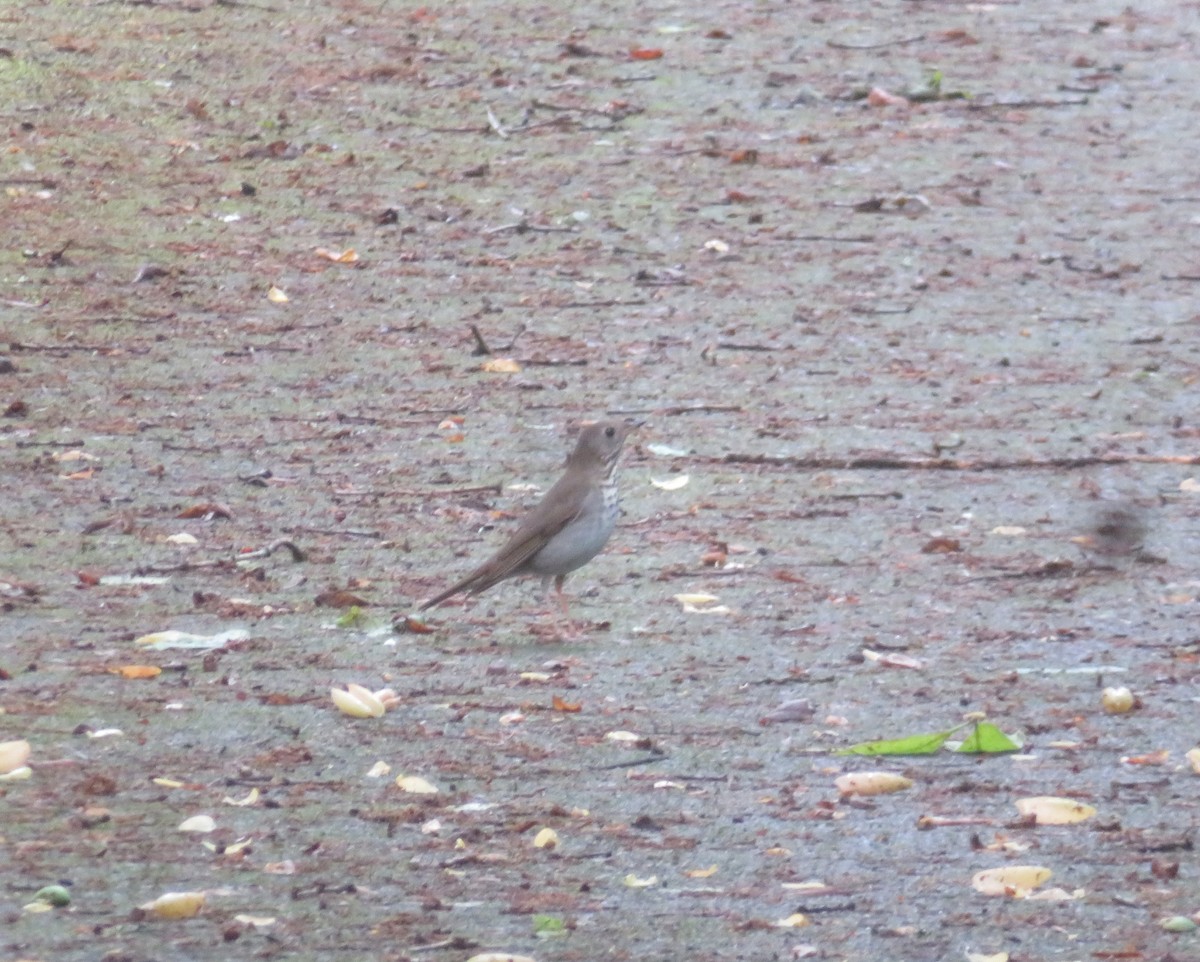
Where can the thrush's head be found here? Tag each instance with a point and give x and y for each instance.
(600, 443)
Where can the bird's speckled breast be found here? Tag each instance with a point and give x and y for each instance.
(581, 540)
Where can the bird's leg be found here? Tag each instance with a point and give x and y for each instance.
(564, 628)
(563, 601)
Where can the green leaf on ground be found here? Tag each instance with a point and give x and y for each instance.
(987, 738)
(912, 745)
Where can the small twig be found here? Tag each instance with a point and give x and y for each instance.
(251, 349)
(343, 533)
(496, 488)
(455, 942)
(297, 555)
(481, 347)
(837, 45)
(248, 6)
(860, 239)
(55, 258)
(44, 182)
(524, 227)
(885, 463)
(734, 346)
(613, 303)
(543, 105)
(700, 409)
(494, 123)
(1054, 568)
(559, 121)
(453, 130)
(16, 346)
(553, 362)
(873, 311)
(649, 760)
(1026, 104)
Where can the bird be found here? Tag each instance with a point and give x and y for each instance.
(1116, 529)
(567, 528)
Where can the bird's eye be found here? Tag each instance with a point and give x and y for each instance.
(609, 431)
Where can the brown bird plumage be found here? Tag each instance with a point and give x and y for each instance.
(568, 527)
(1116, 529)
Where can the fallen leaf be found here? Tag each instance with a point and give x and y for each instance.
(1154, 758)
(340, 598)
(137, 671)
(185, 639)
(878, 97)
(1050, 810)
(547, 838)
(500, 957)
(500, 365)
(207, 510)
(700, 604)
(416, 785)
(13, 755)
(941, 546)
(926, 743)
(357, 702)
(257, 921)
(1016, 881)
(1117, 701)
(795, 710)
(175, 905)
(414, 626)
(987, 738)
(871, 783)
(348, 256)
(1055, 895)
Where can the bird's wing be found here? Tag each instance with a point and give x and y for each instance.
(554, 512)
